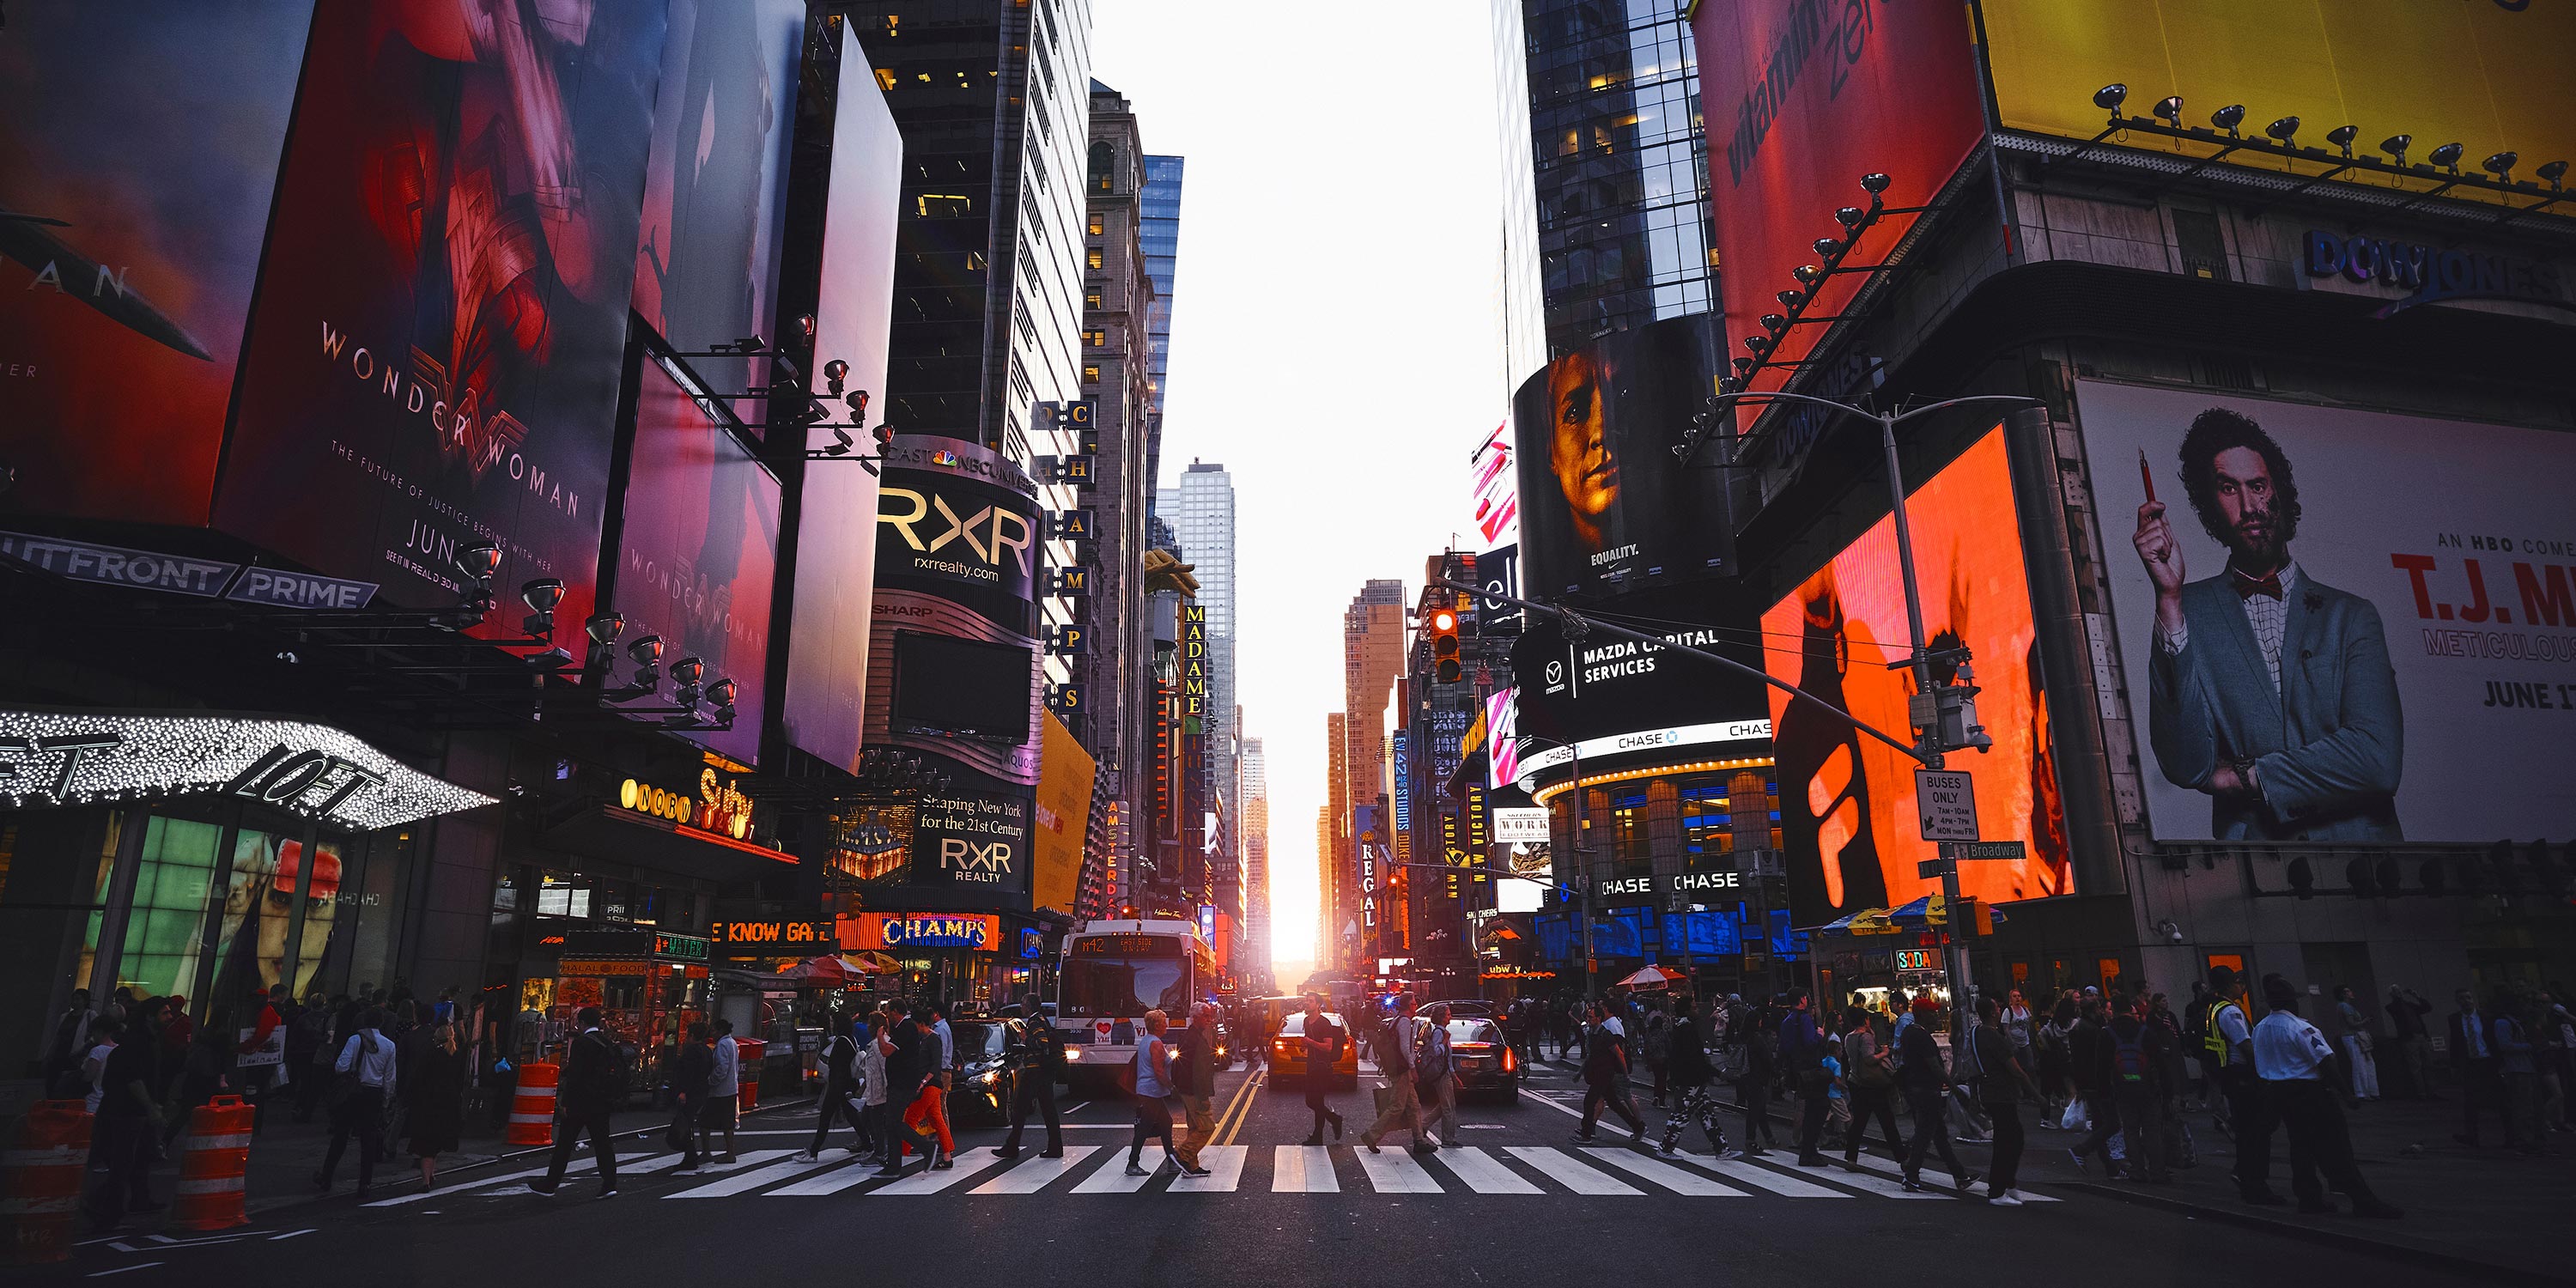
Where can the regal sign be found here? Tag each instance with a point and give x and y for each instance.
(81, 758)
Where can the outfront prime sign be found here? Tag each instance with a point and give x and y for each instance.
(88, 758)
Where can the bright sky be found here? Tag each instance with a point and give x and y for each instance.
(1336, 340)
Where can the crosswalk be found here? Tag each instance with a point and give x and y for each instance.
(1509, 1170)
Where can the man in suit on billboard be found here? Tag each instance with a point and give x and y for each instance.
(2269, 690)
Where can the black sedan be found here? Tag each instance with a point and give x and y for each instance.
(987, 1071)
(1484, 1060)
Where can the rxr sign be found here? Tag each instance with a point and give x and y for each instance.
(981, 862)
(987, 532)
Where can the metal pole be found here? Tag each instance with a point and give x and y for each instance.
(1953, 962)
(1583, 865)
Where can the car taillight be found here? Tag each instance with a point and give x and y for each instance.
(1508, 1062)
(1475, 1046)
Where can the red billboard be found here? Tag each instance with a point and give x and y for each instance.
(698, 551)
(1802, 98)
(434, 359)
(138, 151)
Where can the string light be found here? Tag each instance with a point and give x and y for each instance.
(81, 758)
(1549, 793)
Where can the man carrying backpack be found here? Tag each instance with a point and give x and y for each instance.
(1395, 1056)
(592, 1084)
(2134, 1060)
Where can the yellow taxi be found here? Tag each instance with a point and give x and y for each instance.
(1288, 1051)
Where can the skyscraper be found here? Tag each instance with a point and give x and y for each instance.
(1201, 512)
(1256, 858)
(1160, 207)
(1524, 347)
(1372, 656)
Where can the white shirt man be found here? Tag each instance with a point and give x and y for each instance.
(2289, 1049)
(726, 1082)
(375, 1067)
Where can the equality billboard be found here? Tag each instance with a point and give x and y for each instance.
(433, 363)
(706, 262)
(139, 146)
(1847, 801)
(2488, 74)
(2338, 625)
(1604, 505)
(836, 537)
(1802, 98)
(698, 550)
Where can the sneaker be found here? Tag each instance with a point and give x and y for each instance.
(1424, 1147)
(1966, 1179)
(1137, 1169)
(729, 1159)
(945, 1162)
(1729, 1155)
(1312, 1141)
(689, 1171)
(1007, 1151)
(2005, 1199)
(1667, 1149)
(608, 1193)
(542, 1191)
(1913, 1186)
(1584, 1138)
(1337, 1126)
(804, 1156)
(857, 1152)
(2076, 1156)
(1052, 1151)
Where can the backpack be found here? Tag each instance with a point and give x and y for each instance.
(1434, 1063)
(1390, 1050)
(2129, 1057)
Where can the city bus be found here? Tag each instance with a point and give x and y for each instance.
(1114, 972)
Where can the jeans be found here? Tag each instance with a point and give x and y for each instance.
(2142, 1117)
(570, 1127)
(1755, 1095)
(1867, 1101)
(1811, 1111)
(1443, 1108)
(836, 1106)
(1200, 1113)
(1153, 1122)
(1035, 1085)
(2008, 1146)
(1611, 1091)
(124, 1144)
(1931, 1132)
(901, 1135)
(362, 1114)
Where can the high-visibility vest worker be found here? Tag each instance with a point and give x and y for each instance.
(2215, 1041)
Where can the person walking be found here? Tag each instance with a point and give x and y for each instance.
(1873, 1089)
(1041, 1061)
(2133, 1077)
(1690, 1072)
(206, 1068)
(723, 1111)
(2002, 1079)
(2480, 1067)
(928, 1112)
(1754, 1054)
(584, 1101)
(436, 1094)
(1150, 1100)
(128, 1121)
(1802, 1051)
(1658, 1045)
(693, 1071)
(2293, 1059)
(911, 1051)
(2358, 1049)
(2020, 1028)
(367, 1069)
(1927, 1092)
(840, 1061)
(1322, 1040)
(1605, 1081)
(68, 1046)
(1194, 1078)
(2406, 1011)
(1402, 1105)
(1435, 1081)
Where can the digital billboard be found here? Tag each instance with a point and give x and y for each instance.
(1605, 506)
(836, 532)
(1065, 776)
(433, 361)
(1802, 98)
(2490, 75)
(1847, 801)
(698, 550)
(1608, 687)
(2358, 626)
(706, 261)
(138, 153)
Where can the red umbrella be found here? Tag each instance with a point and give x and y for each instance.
(826, 971)
(1650, 977)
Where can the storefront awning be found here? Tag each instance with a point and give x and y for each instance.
(72, 758)
(647, 841)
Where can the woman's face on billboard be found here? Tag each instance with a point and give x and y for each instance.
(1579, 447)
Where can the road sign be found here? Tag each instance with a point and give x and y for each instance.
(1926, 869)
(1991, 850)
(1947, 801)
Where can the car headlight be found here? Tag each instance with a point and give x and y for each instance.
(989, 1077)
(1073, 1055)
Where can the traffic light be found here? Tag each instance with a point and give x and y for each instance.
(1445, 665)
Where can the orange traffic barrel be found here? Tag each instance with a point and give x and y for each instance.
(212, 1191)
(750, 1052)
(40, 1182)
(532, 1111)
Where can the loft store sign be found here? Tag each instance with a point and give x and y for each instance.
(69, 758)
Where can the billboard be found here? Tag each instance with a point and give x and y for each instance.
(1847, 807)
(706, 259)
(1494, 477)
(956, 557)
(433, 363)
(698, 550)
(972, 841)
(1610, 688)
(1604, 505)
(2498, 82)
(2424, 630)
(1802, 98)
(1065, 774)
(138, 154)
(836, 536)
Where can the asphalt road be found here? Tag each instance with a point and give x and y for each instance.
(1520, 1203)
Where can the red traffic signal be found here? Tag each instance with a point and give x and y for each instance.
(1445, 663)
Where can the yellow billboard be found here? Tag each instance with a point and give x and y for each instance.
(2491, 75)
(1065, 773)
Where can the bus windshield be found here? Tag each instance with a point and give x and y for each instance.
(1115, 987)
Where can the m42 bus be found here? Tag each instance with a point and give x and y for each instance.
(1114, 972)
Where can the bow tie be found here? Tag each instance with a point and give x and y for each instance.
(2249, 587)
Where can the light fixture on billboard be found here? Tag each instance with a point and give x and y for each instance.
(1828, 247)
(834, 372)
(2447, 157)
(541, 596)
(2342, 136)
(2500, 164)
(1745, 366)
(2285, 131)
(603, 629)
(2169, 110)
(2228, 118)
(1761, 345)
(1774, 323)
(1851, 216)
(2110, 97)
(2395, 146)
(1791, 299)
(2552, 173)
(1807, 274)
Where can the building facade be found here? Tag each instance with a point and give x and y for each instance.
(1373, 638)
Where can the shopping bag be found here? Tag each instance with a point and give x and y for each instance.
(2073, 1119)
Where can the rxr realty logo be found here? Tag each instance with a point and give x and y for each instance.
(977, 861)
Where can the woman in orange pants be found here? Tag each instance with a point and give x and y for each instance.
(931, 1106)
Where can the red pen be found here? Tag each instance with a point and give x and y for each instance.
(2146, 475)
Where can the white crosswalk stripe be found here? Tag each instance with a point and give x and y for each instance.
(1395, 1172)
(1224, 1167)
(1037, 1173)
(751, 1178)
(1886, 1168)
(1303, 1169)
(1112, 1178)
(1484, 1173)
(969, 1163)
(1566, 1170)
(1664, 1174)
(1763, 1178)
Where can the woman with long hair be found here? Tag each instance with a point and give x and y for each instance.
(434, 1095)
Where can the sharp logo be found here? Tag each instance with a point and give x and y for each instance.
(988, 532)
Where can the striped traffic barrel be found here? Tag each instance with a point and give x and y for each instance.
(750, 1054)
(532, 1110)
(40, 1182)
(212, 1190)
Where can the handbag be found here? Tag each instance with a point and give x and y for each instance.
(677, 1135)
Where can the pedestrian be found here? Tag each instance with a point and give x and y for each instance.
(928, 1112)
(206, 1069)
(1690, 1072)
(128, 1121)
(310, 1052)
(722, 1114)
(2086, 1061)
(2480, 1066)
(68, 1046)
(1194, 1079)
(1873, 1089)
(2020, 1030)
(1401, 1101)
(1435, 1081)
(2406, 1011)
(911, 1052)
(1041, 1061)
(435, 1092)
(408, 1037)
(2518, 1066)
(1153, 1111)
(258, 1080)
(2293, 1059)
(2230, 1044)
(2358, 1051)
(840, 1060)
(2002, 1079)
(1927, 1092)
(2056, 1089)
(1322, 1040)
(1802, 1051)
(1658, 1050)
(2177, 1075)
(592, 1083)
(1605, 1080)
(2133, 1074)
(874, 1046)
(2557, 1026)
(1753, 1055)
(366, 1069)
(693, 1071)
(104, 1034)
